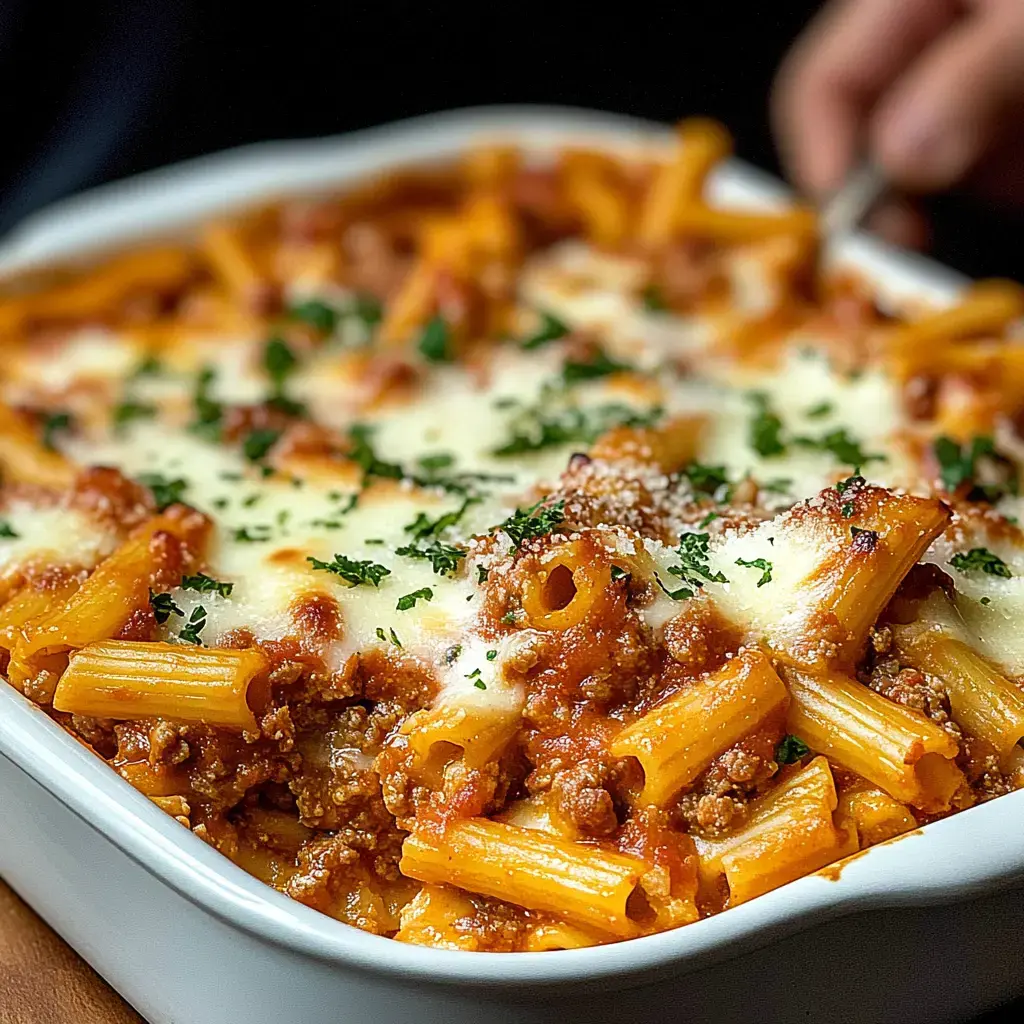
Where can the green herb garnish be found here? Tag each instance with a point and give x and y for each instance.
(764, 431)
(195, 625)
(535, 521)
(407, 601)
(435, 341)
(352, 570)
(758, 563)
(166, 492)
(550, 329)
(258, 443)
(693, 569)
(163, 607)
(600, 364)
(207, 412)
(128, 411)
(444, 558)
(791, 749)
(55, 423)
(981, 560)
(203, 584)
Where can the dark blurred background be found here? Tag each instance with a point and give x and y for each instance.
(98, 91)
(92, 92)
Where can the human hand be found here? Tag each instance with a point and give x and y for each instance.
(933, 90)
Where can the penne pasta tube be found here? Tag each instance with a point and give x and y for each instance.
(569, 581)
(25, 459)
(679, 738)
(855, 584)
(118, 587)
(478, 731)
(587, 885)
(232, 260)
(695, 220)
(669, 446)
(984, 309)
(30, 603)
(897, 749)
(789, 832)
(702, 144)
(127, 680)
(874, 814)
(983, 701)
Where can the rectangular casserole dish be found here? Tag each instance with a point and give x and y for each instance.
(911, 929)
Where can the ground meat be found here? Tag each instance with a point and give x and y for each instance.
(167, 743)
(912, 689)
(581, 796)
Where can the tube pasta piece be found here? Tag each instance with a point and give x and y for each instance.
(24, 458)
(702, 144)
(100, 292)
(232, 260)
(897, 749)
(126, 680)
(597, 196)
(679, 738)
(30, 603)
(788, 833)
(118, 587)
(478, 731)
(567, 584)
(669, 446)
(729, 226)
(985, 309)
(587, 885)
(874, 814)
(983, 701)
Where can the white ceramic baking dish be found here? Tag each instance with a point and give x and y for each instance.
(923, 928)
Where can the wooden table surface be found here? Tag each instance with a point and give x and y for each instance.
(43, 980)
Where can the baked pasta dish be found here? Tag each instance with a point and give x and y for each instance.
(520, 553)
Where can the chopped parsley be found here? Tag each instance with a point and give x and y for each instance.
(693, 569)
(53, 424)
(491, 655)
(843, 447)
(258, 443)
(149, 367)
(6, 530)
(708, 519)
(444, 558)
(352, 570)
(652, 299)
(128, 411)
(816, 412)
(846, 509)
(535, 521)
(166, 492)
(600, 364)
(280, 362)
(195, 625)
(764, 431)
(255, 534)
(433, 463)
(207, 412)
(550, 329)
(423, 527)
(509, 618)
(482, 573)
(618, 573)
(535, 429)
(851, 483)
(791, 749)
(960, 465)
(709, 480)
(316, 314)
(203, 584)
(986, 600)
(758, 563)
(382, 636)
(779, 485)
(363, 454)
(980, 560)
(407, 601)
(435, 341)
(163, 607)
